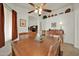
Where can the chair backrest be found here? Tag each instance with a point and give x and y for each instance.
(56, 32)
(27, 35)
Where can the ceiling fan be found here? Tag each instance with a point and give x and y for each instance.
(38, 8)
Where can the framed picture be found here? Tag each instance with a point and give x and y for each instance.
(53, 24)
(22, 23)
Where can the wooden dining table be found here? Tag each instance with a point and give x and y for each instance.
(48, 46)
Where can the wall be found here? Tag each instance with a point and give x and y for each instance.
(68, 23)
(8, 23)
(21, 14)
(32, 20)
(76, 12)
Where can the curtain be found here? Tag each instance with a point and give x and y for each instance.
(14, 25)
(2, 37)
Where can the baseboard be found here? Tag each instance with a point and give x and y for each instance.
(69, 43)
(76, 46)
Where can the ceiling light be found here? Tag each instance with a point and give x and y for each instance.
(40, 11)
(36, 11)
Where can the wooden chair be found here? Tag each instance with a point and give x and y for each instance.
(27, 35)
(54, 50)
(23, 35)
(57, 33)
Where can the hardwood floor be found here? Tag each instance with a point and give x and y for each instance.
(70, 50)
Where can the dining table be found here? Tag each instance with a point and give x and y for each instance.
(46, 46)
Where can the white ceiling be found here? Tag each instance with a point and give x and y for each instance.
(28, 7)
(51, 6)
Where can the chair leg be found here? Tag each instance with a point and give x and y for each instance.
(13, 54)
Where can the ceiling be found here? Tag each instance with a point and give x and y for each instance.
(51, 6)
(27, 7)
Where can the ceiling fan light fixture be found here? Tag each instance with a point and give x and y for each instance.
(40, 11)
(36, 11)
(39, 8)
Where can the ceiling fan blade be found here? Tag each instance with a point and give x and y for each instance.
(31, 11)
(32, 4)
(47, 10)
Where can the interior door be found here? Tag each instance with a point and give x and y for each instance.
(14, 25)
(2, 41)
